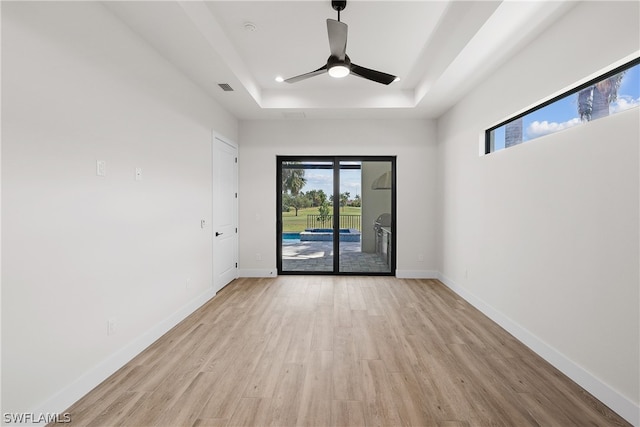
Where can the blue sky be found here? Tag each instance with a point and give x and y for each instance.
(563, 113)
(322, 179)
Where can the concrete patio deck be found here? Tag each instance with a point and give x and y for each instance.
(318, 256)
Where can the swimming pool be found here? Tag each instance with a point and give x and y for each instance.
(323, 235)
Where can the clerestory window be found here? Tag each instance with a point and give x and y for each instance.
(612, 92)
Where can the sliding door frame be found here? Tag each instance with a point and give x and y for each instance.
(336, 208)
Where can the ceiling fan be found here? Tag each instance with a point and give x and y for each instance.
(339, 64)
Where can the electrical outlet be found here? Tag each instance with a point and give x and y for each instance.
(258, 257)
(101, 168)
(111, 326)
(420, 258)
(138, 174)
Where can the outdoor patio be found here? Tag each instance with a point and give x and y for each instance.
(318, 256)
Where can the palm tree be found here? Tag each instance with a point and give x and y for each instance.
(292, 179)
(594, 101)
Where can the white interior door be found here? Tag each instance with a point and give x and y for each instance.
(225, 213)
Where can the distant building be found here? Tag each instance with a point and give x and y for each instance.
(513, 133)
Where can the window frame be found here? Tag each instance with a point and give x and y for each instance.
(487, 133)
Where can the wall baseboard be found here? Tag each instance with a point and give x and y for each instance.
(258, 272)
(66, 397)
(603, 392)
(417, 274)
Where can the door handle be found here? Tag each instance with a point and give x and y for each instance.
(218, 234)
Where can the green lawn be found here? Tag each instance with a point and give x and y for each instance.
(293, 223)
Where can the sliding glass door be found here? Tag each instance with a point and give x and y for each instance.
(336, 215)
(306, 216)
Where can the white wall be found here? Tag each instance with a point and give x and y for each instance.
(544, 236)
(412, 141)
(78, 249)
(374, 202)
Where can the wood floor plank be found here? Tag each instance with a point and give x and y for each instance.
(379, 405)
(286, 398)
(186, 410)
(264, 379)
(211, 422)
(341, 351)
(231, 385)
(347, 377)
(412, 409)
(489, 393)
(88, 407)
(341, 308)
(113, 413)
(356, 299)
(543, 411)
(386, 343)
(250, 412)
(347, 413)
(565, 395)
(322, 338)
(149, 410)
(315, 401)
(444, 397)
(326, 293)
(366, 344)
(372, 300)
(300, 343)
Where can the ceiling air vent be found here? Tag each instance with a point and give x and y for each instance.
(225, 87)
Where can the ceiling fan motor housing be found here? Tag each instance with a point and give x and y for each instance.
(334, 60)
(338, 4)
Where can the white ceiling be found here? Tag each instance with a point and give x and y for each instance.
(439, 48)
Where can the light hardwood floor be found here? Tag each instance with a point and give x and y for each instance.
(338, 351)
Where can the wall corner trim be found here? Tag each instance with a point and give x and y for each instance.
(624, 407)
(66, 397)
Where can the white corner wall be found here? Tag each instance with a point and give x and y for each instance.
(544, 237)
(78, 249)
(412, 141)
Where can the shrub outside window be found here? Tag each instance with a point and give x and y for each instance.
(615, 91)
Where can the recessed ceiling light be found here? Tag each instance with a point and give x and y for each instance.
(279, 79)
(250, 26)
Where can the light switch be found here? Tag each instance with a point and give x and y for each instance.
(138, 174)
(101, 168)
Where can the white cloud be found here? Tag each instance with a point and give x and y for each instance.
(624, 102)
(537, 128)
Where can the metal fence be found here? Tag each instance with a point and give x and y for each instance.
(346, 221)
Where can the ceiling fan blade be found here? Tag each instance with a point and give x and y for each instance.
(376, 76)
(307, 75)
(337, 38)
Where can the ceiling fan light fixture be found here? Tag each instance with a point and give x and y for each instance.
(339, 65)
(339, 71)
